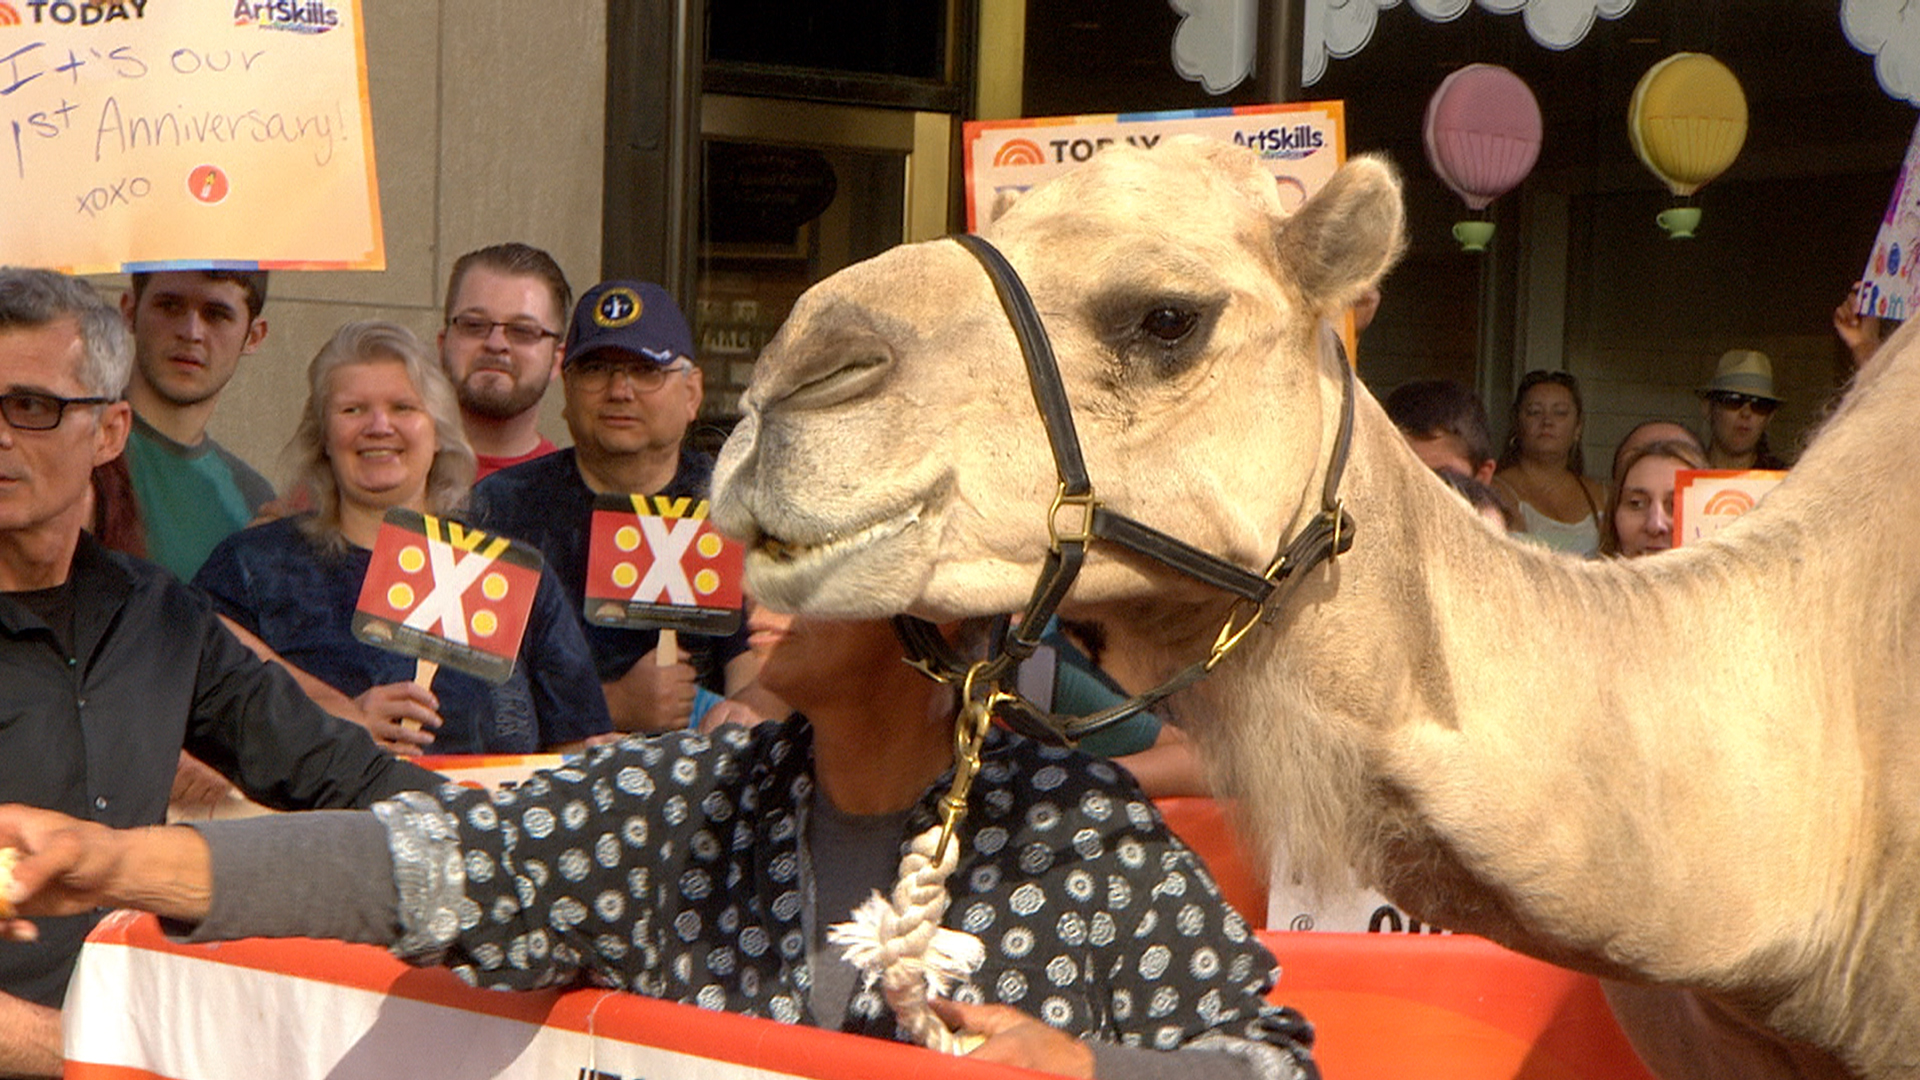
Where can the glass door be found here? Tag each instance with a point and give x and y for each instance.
(793, 191)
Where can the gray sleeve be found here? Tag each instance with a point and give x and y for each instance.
(326, 874)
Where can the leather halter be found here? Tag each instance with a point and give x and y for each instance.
(1257, 596)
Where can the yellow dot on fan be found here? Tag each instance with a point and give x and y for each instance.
(626, 538)
(412, 559)
(705, 582)
(625, 576)
(493, 586)
(400, 596)
(485, 623)
(709, 544)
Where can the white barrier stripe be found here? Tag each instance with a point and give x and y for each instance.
(152, 1011)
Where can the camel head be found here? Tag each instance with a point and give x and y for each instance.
(891, 457)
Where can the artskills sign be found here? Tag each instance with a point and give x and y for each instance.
(1302, 144)
(447, 594)
(149, 134)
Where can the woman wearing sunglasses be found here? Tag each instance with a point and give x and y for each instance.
(1739, 402)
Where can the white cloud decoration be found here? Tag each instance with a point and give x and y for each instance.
(1213, 45)
(1336, 28)
(1341, 28)
(1888, 31)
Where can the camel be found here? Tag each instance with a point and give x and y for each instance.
(1687, 773)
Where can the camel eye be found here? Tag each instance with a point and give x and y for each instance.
(1168, 325)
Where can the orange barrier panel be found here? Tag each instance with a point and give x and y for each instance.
(1447, 1007)
(1451, 1008)
(144, 1008)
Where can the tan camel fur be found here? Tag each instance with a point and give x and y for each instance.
(1694, 772)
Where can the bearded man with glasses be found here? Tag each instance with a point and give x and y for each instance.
(1738, 403)
(632, 390)
(109, 667)
(501, 345)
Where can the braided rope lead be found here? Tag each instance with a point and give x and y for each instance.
(902, 945)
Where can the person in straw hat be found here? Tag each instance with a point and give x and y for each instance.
(1738, 403)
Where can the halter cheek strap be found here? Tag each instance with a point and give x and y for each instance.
(1077, 518)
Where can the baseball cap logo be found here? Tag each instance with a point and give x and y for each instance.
(619, 307)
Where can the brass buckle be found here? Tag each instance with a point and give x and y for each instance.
(1230, 635)
(1087, 503)
(969, 735)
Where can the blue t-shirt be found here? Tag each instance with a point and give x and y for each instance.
(546, 503)
(299, 598)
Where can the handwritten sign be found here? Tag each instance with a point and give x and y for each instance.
(148, 134)
(448, 594)
(1302, 144)
(659, 564)
(1708, 500)
(1888, 283)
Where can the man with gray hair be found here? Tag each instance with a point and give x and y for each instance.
(108, 666)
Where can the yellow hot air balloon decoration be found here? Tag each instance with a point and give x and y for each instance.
(1688, 121)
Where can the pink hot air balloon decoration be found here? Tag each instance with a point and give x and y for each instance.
(1482, 135)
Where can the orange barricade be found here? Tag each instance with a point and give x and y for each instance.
(143, 1008)
(1449, 1007)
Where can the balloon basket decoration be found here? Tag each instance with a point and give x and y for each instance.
(1679, 221)
(1482, 135)
(1688, 120)
(1473, 235)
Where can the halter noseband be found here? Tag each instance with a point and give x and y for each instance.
(1077, 518)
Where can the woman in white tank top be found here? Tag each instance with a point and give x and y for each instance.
(1542, 468)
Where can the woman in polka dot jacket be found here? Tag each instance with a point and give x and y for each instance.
(706, 869)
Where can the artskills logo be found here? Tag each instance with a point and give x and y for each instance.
(1287, 144)
(299, 16)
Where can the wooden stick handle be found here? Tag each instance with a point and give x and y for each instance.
(423, 672)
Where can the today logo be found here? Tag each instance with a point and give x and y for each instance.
(74, 12)
(298, 16)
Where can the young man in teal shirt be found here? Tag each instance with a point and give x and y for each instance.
(190, 329)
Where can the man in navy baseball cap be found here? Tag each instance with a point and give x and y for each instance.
(632, 388)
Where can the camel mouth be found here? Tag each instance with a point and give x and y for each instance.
(787, 552)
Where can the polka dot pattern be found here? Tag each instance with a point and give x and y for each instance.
(670, 866)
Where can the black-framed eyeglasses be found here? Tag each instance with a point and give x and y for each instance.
(1734, 402)
(595, 375)
(521, 332)
(31, 410)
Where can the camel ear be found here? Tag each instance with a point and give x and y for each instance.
(1346, 237)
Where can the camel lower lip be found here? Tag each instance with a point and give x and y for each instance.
(787, 553)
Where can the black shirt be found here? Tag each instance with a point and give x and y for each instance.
(95, 729)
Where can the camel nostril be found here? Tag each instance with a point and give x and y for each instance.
(853, 373)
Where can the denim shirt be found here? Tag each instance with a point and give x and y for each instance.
(299, 598)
